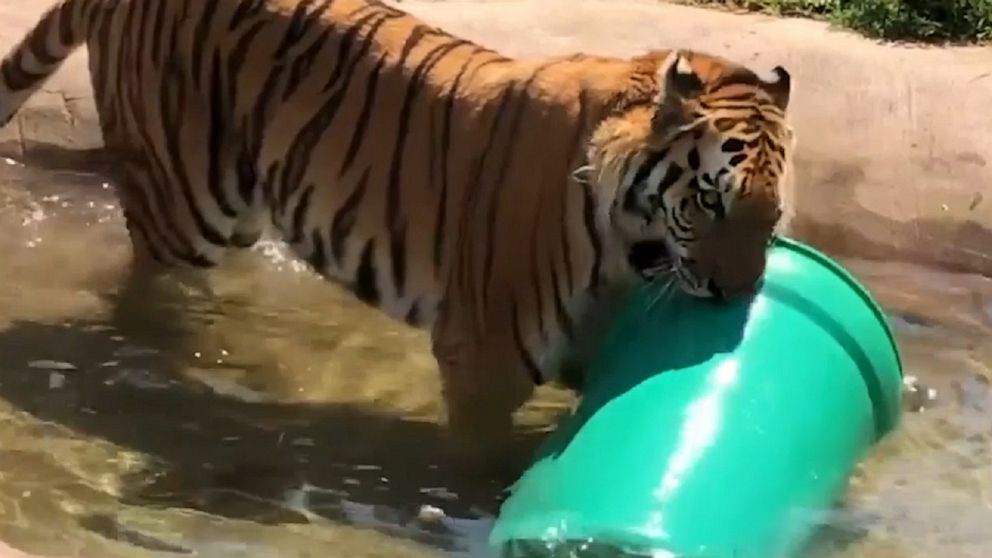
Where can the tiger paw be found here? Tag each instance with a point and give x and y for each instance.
(488, 449)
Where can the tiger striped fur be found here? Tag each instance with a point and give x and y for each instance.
(495, 201)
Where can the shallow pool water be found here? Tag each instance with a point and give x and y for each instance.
(275, 416)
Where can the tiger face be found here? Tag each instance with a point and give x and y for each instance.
(694, 180)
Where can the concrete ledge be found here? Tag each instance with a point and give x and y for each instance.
(895, 143)
(62, 115)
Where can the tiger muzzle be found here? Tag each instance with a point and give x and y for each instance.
(733, 261)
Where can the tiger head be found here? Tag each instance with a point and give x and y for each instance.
(691, 179)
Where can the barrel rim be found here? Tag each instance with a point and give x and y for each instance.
(842, 273)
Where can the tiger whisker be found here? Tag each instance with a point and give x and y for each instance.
(665, 289)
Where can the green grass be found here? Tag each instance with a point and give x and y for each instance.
(932, 21)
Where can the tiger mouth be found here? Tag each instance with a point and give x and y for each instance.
(650, 258)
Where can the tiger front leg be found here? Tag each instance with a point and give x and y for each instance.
(481, 394)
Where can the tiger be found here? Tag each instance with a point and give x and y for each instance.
(497, 202)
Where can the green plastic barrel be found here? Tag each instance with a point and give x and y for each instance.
(713, 430)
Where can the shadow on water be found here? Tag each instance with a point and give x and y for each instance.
(270, 463)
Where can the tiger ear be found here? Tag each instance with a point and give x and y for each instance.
(779, 86)
(583, 175)
(679, 84)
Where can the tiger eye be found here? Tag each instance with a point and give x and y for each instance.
(711, 198)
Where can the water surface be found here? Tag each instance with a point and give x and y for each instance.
(275, 416)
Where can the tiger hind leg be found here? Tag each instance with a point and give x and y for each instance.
(190, 224)
(248, 229)
(171, 238)
(162, 237)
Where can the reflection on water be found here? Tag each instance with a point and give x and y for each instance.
(264, 413)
